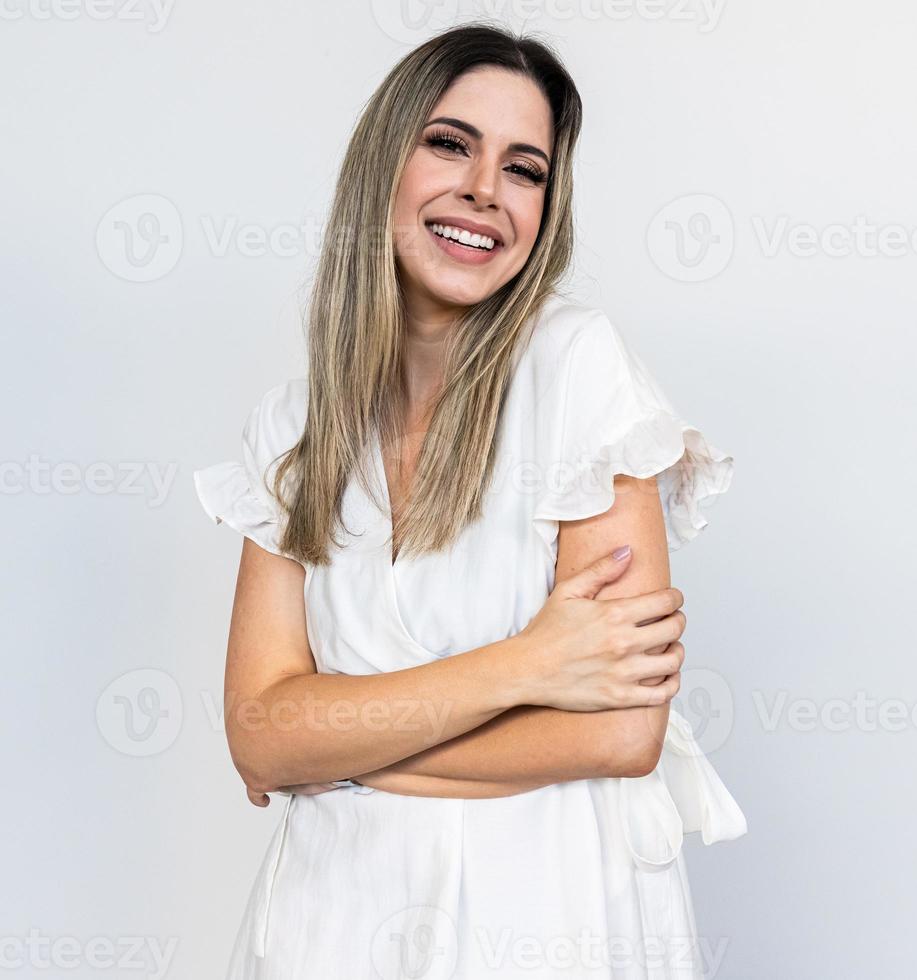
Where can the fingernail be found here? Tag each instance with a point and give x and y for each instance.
(621, 552)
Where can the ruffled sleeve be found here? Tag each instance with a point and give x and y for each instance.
(609, 415)
(683, 794)
(238, 492)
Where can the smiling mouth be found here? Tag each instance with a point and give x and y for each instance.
(458, 236)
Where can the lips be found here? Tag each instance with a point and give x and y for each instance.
(475, 227)
(466, 255)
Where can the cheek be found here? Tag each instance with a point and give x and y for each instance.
(527, 214)
(421, 181)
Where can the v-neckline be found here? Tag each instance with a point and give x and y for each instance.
(379, 461)
(388, 568)
(387, 516)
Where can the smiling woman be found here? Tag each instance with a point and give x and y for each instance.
(456, 174)
(453, 602)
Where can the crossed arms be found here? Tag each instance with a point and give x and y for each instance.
(496, 748)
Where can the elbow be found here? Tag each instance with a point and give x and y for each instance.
(644, 761)
(252, 762)
(632, 765)
(260, 778)
(264, 767)
(634, 752)
(249, 767)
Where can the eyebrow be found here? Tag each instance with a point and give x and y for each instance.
(477, 134)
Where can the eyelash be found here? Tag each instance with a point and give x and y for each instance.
(447, 140)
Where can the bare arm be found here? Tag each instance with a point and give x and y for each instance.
(529, 746)
(277, 708)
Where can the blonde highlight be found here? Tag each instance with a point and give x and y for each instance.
(356, 323)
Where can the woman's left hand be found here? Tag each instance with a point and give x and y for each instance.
(302, 789)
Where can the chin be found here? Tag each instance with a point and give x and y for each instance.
(460, 293)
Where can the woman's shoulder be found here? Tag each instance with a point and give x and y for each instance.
(278, 417)
(576, 346)
(564, 324)
(593, 409)
(285, 401)
(239, 491)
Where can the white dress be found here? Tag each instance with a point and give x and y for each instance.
(577, 879)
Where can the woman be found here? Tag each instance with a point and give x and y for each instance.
(470, 712)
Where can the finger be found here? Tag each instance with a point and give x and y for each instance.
(666, 690)
(662, 632)
(656, 665)
(310, 789)
(259, 799)
(648, 606)
(646, 695)
(313, 789)
(586, 583)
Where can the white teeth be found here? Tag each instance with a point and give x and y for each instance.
(464, 236)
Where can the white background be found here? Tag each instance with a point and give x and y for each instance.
(778, 142)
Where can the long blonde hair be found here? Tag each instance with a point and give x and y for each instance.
(356, 323)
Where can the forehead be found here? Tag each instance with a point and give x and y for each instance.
(505, 106)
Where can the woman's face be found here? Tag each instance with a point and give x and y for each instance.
(480, 164)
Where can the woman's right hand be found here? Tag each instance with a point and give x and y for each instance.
(591, 654)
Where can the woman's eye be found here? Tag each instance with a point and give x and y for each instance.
(446, 142)
(453, 144)
(533, 173)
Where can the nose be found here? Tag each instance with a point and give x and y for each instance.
(482, 183)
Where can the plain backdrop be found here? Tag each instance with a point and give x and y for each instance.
(746, 215)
